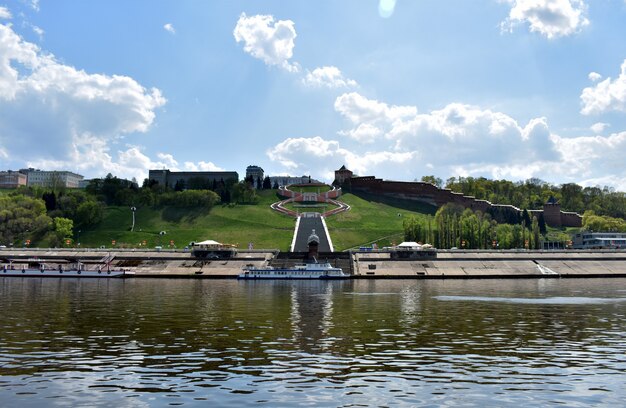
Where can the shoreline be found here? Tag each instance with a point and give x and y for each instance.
(448, 264)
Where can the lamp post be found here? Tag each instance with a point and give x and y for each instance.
(161, 236)
(78, 238)
(133, 209)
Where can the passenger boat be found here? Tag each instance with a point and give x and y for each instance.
(75, 271)
(302, 271)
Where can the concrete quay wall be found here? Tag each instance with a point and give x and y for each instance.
(494, 264)
(448, 264)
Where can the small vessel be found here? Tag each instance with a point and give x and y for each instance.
(313, 270)
(77, 270)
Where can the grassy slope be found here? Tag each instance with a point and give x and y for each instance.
(237, 225)
(369, 221)
(366, 222)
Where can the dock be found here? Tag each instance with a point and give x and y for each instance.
(457, 264)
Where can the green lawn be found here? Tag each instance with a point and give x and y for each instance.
(238, 224)
(370, 221)
(310, 189)
(367, 222)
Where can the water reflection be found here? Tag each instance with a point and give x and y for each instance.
(378, 342)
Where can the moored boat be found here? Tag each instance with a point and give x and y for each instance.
(302, 271)
(76, 271)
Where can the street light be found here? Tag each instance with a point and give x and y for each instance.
(133, 209)
(161, 236)
(78, 238)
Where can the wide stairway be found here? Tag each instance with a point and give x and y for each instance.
(309, 222)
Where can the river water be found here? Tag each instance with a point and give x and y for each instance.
(150, 342)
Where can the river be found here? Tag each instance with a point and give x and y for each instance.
(152, 342)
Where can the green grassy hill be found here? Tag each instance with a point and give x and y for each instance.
(367, 222)
(238, 224)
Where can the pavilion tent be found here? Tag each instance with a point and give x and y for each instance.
(409, 245)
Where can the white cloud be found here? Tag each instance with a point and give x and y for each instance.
(55, 116)
(169, 28)
(456, 133)
(456, 140)
(34, 4)
(316, 155)
(364, 133)
(359, 109)
(5, 14)
(593, 156)
(330, 77)
(268, 40)
(38, 30)
(594, 76)
(168, 159)
(605, 96)
(202, 166)
(599, 127)
(551, 18)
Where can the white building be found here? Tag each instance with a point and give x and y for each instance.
(599, 240)
(53, 178)
(288, 180)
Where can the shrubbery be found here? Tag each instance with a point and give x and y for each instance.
(189, 198)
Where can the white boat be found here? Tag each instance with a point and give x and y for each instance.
(302, 271)
(76, 271)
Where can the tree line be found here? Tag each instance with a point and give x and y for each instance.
(54, 213)
(456, 227)
(534, 192)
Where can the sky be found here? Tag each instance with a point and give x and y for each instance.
(399, 89)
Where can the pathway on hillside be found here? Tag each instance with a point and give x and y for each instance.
(308, 222)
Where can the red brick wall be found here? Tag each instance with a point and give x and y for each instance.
(552, 215)
(431, 194)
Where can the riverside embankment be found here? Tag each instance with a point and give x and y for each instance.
(382, 264)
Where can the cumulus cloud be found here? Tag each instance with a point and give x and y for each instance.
(330, 77)
(53, 115)
(358, 109)
(594, 76)
(456, 140)
(608, 95)
(202, 166)
(458, 132)
(364, 133)
(319, 156)
(594, 156)
(5, 14)
(599, 127)
(268, 40)
(550, 18)
(587, 160)
(169, 28)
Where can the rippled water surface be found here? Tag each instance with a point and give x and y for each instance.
(133, 343)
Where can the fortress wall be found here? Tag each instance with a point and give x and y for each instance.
(571, 219)
(431, 194)
(552, 215)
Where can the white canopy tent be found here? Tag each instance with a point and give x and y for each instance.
(409, 245)
(209, 243)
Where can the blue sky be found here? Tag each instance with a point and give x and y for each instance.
(398, 89)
